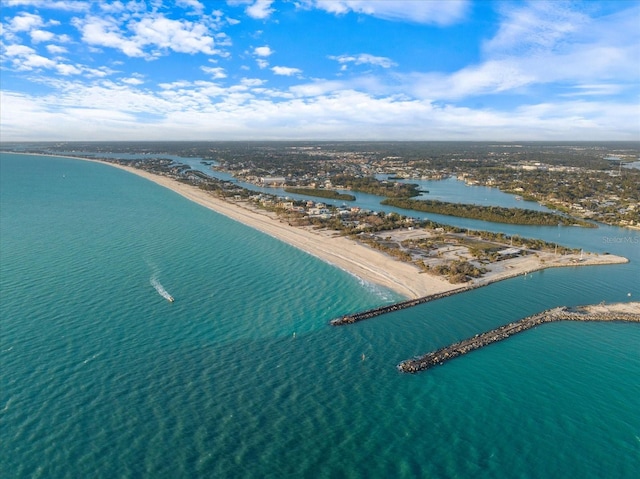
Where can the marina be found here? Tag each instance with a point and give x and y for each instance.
(613, 312)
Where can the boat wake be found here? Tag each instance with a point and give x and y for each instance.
(160, 289)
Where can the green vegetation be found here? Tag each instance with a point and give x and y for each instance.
(609, 196)
(587, 180)
(389, 189)
(431, 253)
(495, 214)
(321, 193)
(391, 250)
(457, 271)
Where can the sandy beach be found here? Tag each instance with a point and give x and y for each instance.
(367, 264)
(363, 262)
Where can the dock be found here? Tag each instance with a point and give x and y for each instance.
(612, 312)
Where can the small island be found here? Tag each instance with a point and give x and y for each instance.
(373, 186)
(496, 214)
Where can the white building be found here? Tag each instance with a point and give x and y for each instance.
(272, 181)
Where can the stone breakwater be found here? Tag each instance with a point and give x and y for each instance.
(616, 312)
(479, 283)
(371, 313)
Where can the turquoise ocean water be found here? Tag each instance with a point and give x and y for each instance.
(102, 377)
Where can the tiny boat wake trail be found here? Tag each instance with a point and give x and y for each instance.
(160, 289)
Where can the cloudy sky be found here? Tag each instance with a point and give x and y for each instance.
(319, 69)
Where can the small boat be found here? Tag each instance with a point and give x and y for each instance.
(170, 298)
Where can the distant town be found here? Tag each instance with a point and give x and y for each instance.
(592, 181)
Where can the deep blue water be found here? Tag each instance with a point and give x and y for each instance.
(102, 377)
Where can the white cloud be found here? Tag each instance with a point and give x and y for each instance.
(105, 32)
(261, 9)
(25, 22)
(437, 12)
(107, 95)
(18, 50)
(251, 82)
(538, 51)
(60, 122)
(594, 90)
(24, 58)
(100, 72)
(215, 72)
(485, 79)
(38, 36)
(28, 23)
(264, 51)
(35, 61)
(176, 35)
(66, 5)
(548, 42)
(286, 71)
(67, 69)
(112, 7)
(364, 59)
(543, 45)
(204, 110)
(534, 27)
(318, 88)
(150, 36)
(195, 5)
(56, 49)
(132, 81)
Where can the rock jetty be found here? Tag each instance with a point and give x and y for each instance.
(371, 313)
(613, 312)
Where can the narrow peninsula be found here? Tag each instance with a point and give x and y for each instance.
(414, 259)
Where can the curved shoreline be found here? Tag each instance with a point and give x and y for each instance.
(359, 260)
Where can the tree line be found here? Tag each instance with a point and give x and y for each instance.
(496, 214)
(321, 193)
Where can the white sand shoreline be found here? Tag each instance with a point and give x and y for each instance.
(363, 262)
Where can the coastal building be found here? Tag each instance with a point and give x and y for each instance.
(317, 211)
(272, 181)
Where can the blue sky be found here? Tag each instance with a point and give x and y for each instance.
(319, 70)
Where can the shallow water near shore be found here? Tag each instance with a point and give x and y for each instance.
(103, 377)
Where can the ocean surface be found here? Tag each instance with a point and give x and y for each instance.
(242, 377)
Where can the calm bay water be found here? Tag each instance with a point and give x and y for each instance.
(102, 377)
